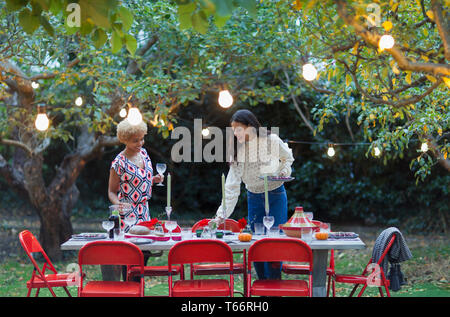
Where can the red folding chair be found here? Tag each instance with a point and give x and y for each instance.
(275, 250)
(201, 251)
(111, 253)
(229, 224)
(156, 270)
(304, 270)
(215, 268)
(38, 278)
(373, 274)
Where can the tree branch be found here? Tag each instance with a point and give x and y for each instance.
(443, 26)
(373, 39)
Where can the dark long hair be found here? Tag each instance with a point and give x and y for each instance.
(247, 118)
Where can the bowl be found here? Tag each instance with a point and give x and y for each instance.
(293, 232)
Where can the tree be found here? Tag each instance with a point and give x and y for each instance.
(398, 94)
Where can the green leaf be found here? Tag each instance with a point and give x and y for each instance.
(126, 17)
(250, 5)
(15, 5)
(97, 11)
(28, 22)
(220, 21)
(130, 43)
(224, 7)
(200, 22)
(116, 42)
(184, 15)
(47, 26)
(99, 38)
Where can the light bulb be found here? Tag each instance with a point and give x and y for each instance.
(205, 132)
(331, 151)
(35, 85)
(123, 113)
(134, 116)
(225, 99)
(424, 147)
(309, 72)
(79, 101)
(386, 42)
(376, 151)
(41, 122)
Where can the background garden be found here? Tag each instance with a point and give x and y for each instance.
(171, 59)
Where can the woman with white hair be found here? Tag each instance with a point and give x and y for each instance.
(131, 174)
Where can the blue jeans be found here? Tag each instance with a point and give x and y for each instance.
(278, 209)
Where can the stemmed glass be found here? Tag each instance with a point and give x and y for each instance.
(107, 225)
(161, 168)
(170, 225)
(168, 212)
(268, 222)
(130, 220)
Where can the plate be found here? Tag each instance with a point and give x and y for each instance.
(278, 178)
(342, 235)
(140, 241)
(89, 236)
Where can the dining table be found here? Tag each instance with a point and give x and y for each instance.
(320, 249)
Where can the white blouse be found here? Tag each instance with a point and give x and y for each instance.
(262, 155)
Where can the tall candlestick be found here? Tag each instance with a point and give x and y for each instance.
(168, 189)
(266, 195)
(224, 208)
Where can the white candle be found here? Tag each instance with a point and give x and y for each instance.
(266, 195)
(168, 189)
(224, 208)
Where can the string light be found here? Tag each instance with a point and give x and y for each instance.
(386, 42)
(205, 132)
(123, 113)
(35, 85)
(42, 122)
(424, 147)
(309, 72)
(134, 116)
(331, 152)
(376, 151)
(78, 101)
(225, 99)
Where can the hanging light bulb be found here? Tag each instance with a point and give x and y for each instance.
(424, 147)
(309, 72)
(386, 42)
(42, 121)
(225, 99)
(123, 113)
(79, 101)
(376, 151)
(205, 132)
(134, 116)
(35, 85)
(331, 151)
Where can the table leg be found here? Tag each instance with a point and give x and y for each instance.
(320, 260)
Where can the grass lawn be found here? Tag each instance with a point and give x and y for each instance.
(427, 272)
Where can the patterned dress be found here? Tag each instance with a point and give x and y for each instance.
(135, 184)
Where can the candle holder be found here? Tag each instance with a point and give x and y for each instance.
(168, 212)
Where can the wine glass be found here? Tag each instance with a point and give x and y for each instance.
(161, 168)
(130, 220)
(170, 225)
(268, 222)
(107, 225)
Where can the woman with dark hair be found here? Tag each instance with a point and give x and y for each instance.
(257, 152)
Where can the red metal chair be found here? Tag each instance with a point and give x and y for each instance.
(215, 268)
(38, 278)
(373, 274)
(230, 224)
(111, 253)
(201, 251)
(304, 270)
(162, 270)
(274, 250)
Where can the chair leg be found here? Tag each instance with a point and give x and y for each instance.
(381, 291)
(353, 290)
(334, 288)
(37, 292)
(362, 291)
(67, 291)
(328, 285)
(29, 292)
(387, 290)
